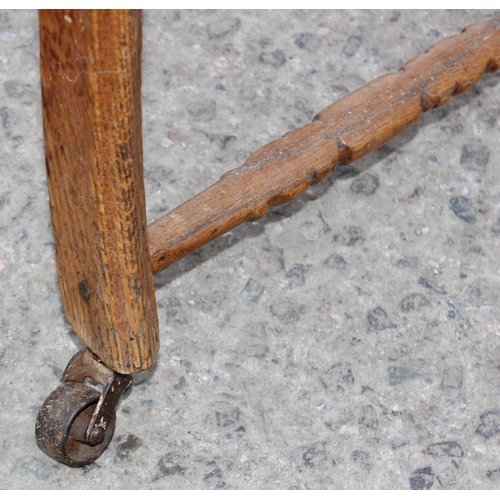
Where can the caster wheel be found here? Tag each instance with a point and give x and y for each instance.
(62, 422)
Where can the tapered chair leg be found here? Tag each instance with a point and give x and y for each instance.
(90, 63)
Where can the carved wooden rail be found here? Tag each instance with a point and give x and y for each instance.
(342, 133)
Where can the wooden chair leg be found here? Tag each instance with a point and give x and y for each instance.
(91, 93)
(90, 67)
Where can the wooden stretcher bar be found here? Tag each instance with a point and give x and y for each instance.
(342, 133)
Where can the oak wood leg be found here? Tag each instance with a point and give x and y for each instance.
(90, 62)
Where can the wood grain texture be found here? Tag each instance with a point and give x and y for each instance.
(90, 64)
(340, 134)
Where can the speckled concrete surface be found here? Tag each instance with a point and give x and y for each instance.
(350, 339)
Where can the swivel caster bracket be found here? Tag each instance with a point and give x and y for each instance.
(76, 423)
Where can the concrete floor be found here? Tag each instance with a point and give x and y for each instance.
(349, 339)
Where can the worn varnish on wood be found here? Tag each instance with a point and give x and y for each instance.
(340, 134)
(91, 83)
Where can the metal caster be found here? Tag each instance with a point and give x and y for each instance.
(76, 423)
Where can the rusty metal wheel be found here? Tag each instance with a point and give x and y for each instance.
(62, 423)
